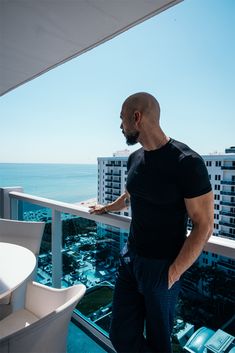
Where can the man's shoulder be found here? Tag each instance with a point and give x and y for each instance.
(136, 153)
(187, 159)
(134, 157)
(183, 151)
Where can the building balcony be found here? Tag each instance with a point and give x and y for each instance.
(229, 167)
(116, 179)
(117, 187)
(109, 179)
(229, 214)
(228, 182)
(226, 265)
(227, 224)
(109, 173)
(232, 193)
(108, 198)
(93, 259)
(227, 203)
(226, 234)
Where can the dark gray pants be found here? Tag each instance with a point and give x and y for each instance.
(141, 296)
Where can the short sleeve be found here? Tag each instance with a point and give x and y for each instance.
(194, 178)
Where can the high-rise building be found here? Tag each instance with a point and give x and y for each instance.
(221, 170)
(112, 174)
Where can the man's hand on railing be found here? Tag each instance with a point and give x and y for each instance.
(98, 209)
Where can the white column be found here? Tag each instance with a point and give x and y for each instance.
(5, 202)
(56, 247)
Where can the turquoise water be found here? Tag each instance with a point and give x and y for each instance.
(62, 182)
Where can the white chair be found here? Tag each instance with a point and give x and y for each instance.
(42, 326)
(29, 235)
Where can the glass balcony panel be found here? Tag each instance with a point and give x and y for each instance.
(207, 298)
(78, 341)
(94, 263)
(37, 213)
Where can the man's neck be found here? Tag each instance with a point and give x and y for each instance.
(154, 142)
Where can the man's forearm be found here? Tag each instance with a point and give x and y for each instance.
(189, 252)
(117, 205)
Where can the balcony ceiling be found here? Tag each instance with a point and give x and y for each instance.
(38, 35)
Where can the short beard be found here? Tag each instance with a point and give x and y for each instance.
(132, 138)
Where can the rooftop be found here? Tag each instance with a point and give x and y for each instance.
(207, 340)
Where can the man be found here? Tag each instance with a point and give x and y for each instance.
(166, 183)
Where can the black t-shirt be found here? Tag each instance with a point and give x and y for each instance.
(158, 181)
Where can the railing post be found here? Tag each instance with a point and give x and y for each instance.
(56, 247)
(14, 205)
(5, 202)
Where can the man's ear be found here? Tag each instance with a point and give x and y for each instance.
(137, 117)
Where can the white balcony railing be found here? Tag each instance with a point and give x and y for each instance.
(10, 207)
(218, 245)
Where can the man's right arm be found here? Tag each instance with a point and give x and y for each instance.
(119, 204)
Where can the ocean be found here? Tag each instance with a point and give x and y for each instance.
(61, 182)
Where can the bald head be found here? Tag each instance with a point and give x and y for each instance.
(143, 102)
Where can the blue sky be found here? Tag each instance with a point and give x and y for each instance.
(185, 57)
